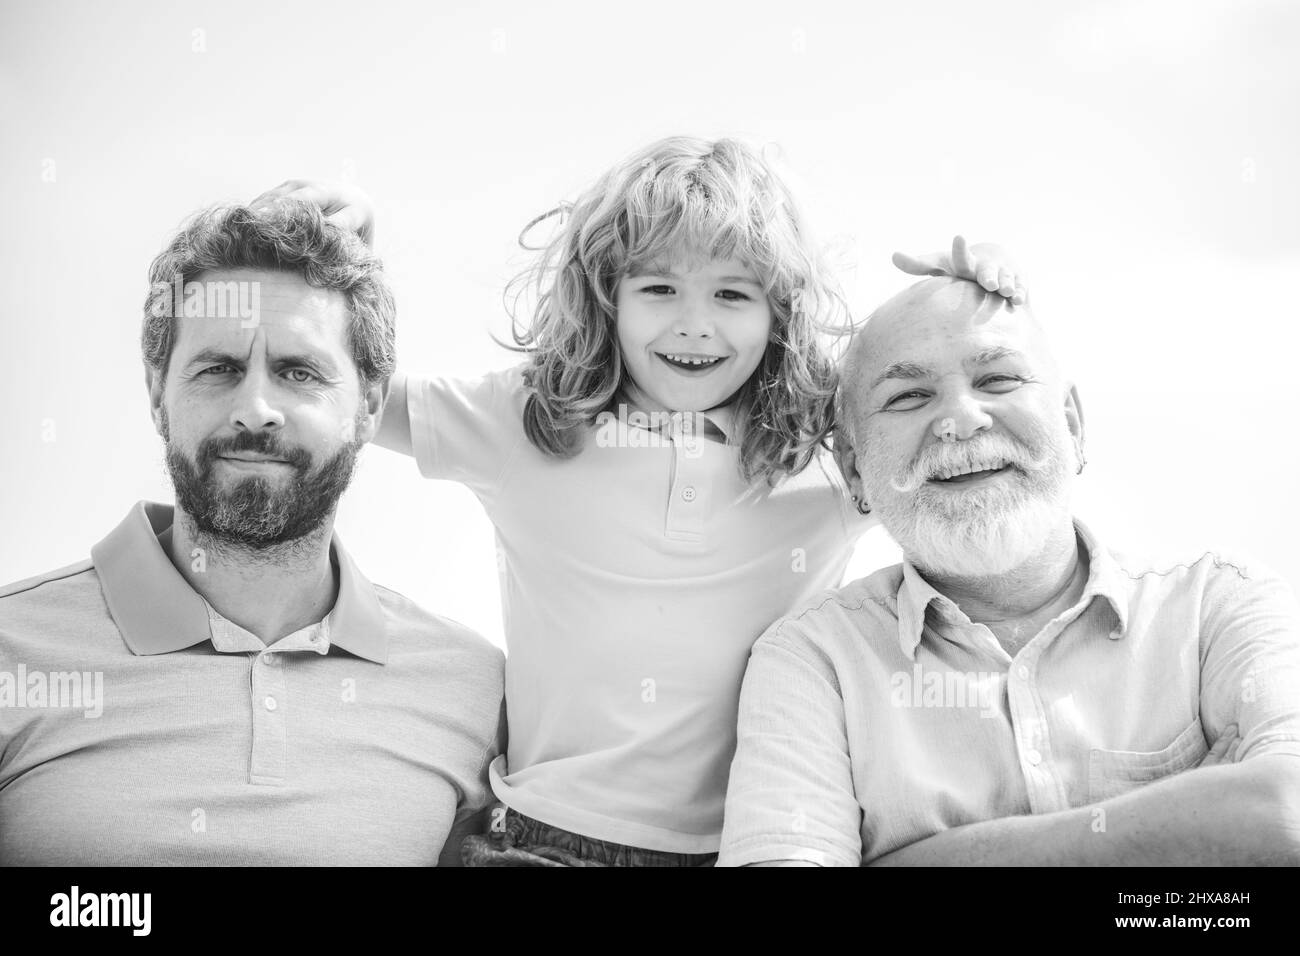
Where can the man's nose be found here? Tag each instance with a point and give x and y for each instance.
(255, 407)
(960, 417)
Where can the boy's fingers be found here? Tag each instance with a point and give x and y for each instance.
(987, 277)
(1006, 282)
(348, 219)
(919, 265)
(962, 263)
(271, 195)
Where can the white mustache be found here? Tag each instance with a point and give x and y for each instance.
(955, 458)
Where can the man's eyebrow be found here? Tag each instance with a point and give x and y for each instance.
(905, 370)
(320, 362)
(992, 354)
(215, 356)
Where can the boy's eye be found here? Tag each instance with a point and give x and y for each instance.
(731, 295)
(657, 289)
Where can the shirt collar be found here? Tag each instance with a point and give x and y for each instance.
(157, 612)
(717, 424)
(916, 595)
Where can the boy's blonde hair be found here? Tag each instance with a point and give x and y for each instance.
(716, 198)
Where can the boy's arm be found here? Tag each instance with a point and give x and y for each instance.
(343, 204)
(395, 423)
(988, 264)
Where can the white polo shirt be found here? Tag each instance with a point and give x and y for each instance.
(635, 576)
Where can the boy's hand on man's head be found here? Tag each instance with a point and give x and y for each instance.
(986, 263)
(343, 204)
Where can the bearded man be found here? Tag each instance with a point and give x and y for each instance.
(219, 684)
(1014, 692)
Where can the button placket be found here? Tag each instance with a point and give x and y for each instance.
(688, 495)
(270, 737)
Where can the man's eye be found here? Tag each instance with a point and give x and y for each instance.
(215, 370)
(306, 376)
(906, 400)
(1001, 383)
(731, 295)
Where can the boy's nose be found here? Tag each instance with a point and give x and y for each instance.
(693, 321)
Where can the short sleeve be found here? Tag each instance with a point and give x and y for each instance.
(466, 430)
(790, 795)
(1250, 660)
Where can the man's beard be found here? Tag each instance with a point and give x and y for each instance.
(256, 513)
(986, 529)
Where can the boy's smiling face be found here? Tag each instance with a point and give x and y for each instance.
(691, 332)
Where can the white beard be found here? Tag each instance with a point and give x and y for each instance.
(991, 539)
(982, 531)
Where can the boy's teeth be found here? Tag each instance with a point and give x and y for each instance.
(691, 359)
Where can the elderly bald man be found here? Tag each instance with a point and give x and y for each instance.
(1014, 692)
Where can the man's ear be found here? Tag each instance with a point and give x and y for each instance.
(1074, 418)
(374, 399)
(153, 381)
(847, 460)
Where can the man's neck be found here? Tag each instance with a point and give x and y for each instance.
(1026, 597)
(271, 593)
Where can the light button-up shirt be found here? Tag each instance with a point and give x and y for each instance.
(880, 714)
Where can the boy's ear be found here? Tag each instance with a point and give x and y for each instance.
(153, 381)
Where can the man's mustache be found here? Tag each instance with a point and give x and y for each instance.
(986, 453)
(258, 443)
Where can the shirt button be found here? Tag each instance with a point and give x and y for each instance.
(1023, 672)
(1034, 758)
(315, 638)
(270, 703)
(688, 493)
(270, 660)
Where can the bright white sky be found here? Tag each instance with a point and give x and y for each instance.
(1139, 158)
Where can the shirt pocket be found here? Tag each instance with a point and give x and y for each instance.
(1115, 772)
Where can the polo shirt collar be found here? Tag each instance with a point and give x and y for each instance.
(157, 612)
(916, 595)
(722, 418)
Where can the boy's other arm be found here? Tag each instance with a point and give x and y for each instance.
(395, 422)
